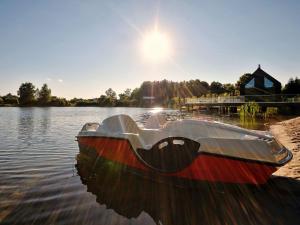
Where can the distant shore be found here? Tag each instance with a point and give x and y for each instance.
(288, 133)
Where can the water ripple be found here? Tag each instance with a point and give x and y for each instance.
(38, 179)
(39, 183)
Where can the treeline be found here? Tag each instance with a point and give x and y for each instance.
(29, 95)
(151, 93)
(162, 93)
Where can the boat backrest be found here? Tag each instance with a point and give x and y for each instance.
(120, 124)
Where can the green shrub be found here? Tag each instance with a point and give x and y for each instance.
(271, 111)
(250, 109)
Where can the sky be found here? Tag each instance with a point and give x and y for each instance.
(82, 48)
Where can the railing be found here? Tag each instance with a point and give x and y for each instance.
(245, 98)
(227, 99)
(273, 98)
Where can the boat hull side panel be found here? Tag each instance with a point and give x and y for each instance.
(204, 168)
(221, 169)
(115, 149)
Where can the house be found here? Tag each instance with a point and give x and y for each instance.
(260, 83)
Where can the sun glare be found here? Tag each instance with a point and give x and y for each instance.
(156, 110)
(156, 46)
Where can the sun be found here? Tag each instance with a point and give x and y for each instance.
(156, 46)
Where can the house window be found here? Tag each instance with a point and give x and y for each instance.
(250, 84)
(268, 83)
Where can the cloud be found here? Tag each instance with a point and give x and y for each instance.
(49, 79)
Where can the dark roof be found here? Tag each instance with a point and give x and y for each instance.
(261, 73)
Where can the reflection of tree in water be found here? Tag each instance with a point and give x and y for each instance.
(277, 202)
(32, 119)
(249, 123)
(45, 120)
(26, 125)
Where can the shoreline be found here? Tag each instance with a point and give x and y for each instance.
(288, 133)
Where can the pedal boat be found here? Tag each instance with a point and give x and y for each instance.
(187, 149)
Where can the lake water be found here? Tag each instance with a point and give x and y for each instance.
(41, 181)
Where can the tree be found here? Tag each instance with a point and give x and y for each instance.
(135, 97)
(242, 80)
(55, 101)
(27, 93)
(111, 96)
(229, 88)
(74, 101)
(124, 98)
(292, 87)
(127, 92)
(216, 87)
(44, 95)
(10, 99)
(205, 85)
(197, 87)
(103, 100)
(110, 93)
(135, 94)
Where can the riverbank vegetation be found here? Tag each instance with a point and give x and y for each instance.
(251, 110)
(151, 93)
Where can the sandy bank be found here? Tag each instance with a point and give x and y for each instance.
(288, 133)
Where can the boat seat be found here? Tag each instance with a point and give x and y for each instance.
(171, 154)
(120, 124)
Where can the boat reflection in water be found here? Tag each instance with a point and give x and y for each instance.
(149, 202)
